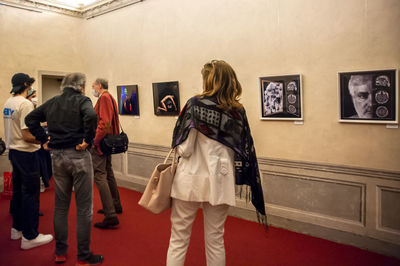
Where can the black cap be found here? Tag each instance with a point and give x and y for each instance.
(18, 82)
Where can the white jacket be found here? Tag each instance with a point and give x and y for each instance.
(205, 172)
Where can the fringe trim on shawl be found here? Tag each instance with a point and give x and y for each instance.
(244, 191)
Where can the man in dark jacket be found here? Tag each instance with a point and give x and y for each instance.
(71, 122)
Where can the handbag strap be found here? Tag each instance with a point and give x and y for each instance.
(115, 111)
(173, 159)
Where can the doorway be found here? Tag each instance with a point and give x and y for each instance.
(49, 85)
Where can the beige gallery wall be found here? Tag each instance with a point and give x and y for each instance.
(31, 42)
(158, 40)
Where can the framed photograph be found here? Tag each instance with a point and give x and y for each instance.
(128, 100)
(368, 96)
(166, 98)
(281, 98)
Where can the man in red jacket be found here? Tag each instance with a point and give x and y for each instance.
(107, 123)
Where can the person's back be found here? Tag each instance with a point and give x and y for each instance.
(212, 138)
(15, 110)
(71, 122)
(205, 172)
(67, 117)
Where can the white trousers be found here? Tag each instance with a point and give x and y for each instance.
(182, 217)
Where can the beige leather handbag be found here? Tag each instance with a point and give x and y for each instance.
(156, 197)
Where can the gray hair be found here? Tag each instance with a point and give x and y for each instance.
(102, 82)
(75, 81)
(358, 80)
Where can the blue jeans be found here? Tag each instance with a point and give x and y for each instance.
(73, 168)
(26, 192)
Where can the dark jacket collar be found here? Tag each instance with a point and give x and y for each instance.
(70, 90)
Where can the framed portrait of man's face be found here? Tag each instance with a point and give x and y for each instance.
(368, 96)
(166, 98)
(281, 98)
(128, 100)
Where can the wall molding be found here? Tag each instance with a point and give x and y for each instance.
(332, 168)
(91, 11)
(362, 184)
(323, 218)
(302, 165)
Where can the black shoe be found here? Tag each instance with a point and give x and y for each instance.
(117, 210)
(92, 260)
(40, 213)
(107, 223)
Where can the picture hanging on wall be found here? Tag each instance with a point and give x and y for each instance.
(128, 100)
(166, 98)
(281, 98)
(368, 96)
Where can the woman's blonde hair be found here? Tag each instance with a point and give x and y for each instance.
(220, 79)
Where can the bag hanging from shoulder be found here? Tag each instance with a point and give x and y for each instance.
(156, 197)
(114, 144)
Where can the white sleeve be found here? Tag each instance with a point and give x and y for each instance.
(26, 108)
(186, 148)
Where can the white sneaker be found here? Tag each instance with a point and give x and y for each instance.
(38, 241)
(15, 234)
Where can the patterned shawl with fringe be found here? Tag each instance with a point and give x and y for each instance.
(231, 129)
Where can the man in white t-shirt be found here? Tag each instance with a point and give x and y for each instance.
(23, 154)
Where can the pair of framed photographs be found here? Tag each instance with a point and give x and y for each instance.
(364, 97)
(165, 98)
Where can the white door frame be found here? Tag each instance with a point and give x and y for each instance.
(42, 73)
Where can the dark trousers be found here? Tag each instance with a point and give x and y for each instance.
(26, 192)
(73, 168)
(106, 183)
(46, 171)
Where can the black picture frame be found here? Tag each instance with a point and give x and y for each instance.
(166, 98)
(281, 97)
(128, 100)
(368, 96)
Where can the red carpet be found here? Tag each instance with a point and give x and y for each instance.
(142, 239)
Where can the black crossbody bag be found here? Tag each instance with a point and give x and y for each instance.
(114, 144)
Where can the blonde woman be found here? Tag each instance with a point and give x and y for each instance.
(213, 140)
